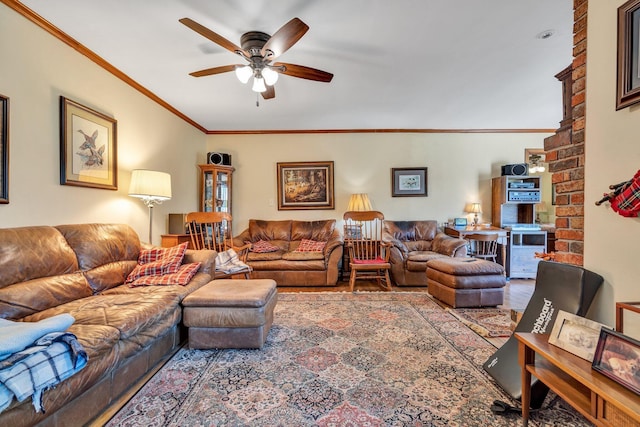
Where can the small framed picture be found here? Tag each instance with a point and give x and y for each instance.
(576, 334)
(4, 149)
(87, 147)
(628, 82)
(409, 182)
(352, 232)
(618, 357)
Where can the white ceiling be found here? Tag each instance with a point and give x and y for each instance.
(397, 64)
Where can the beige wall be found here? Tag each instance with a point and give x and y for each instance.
(35, 70)
(461, 166)
(612, 155)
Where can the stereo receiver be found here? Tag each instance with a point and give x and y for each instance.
(524, 196)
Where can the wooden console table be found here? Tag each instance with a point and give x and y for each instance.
(601, 400)
(170, 240)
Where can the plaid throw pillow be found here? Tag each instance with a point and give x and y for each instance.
(180, 277)
(262, 246)
(158, 261)
(307, 245)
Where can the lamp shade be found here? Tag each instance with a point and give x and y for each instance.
(474, 208)
(146, 184)
(359, 202)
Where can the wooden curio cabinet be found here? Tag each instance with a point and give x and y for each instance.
(215, 188)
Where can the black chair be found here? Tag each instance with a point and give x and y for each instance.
(558, 287)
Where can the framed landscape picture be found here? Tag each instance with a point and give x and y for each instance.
(628, 82)
(409, 182)
(87, 147)
(4, 149)
(305, 185)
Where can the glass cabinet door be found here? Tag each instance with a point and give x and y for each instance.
(215, 188)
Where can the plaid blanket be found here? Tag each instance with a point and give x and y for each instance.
(50, 360)
(229, 262)
(627, 202)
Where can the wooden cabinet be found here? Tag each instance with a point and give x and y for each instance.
(514, 199)
(170, 240)
(601, 401)
(215, 188)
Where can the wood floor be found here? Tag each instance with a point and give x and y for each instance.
(516, 294)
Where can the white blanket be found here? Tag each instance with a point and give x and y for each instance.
(16, 336)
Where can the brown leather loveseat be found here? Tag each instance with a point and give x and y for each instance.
(415, 243)
(287, 262)
(80, 270)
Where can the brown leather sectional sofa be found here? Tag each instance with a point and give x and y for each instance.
(80, 270)
(415, 243)
(287, 266)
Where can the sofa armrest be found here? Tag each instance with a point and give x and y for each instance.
(240, 239)
(335, 240)
(206, 257)
(448, 245)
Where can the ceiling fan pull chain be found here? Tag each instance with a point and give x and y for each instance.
(257, 99)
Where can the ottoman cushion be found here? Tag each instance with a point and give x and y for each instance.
(230, 313)
(465, 266)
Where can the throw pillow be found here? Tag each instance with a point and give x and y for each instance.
(181, 277)
(262, 246)
(307, 245)
(158, 261)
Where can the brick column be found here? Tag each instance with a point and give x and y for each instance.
(566, 149)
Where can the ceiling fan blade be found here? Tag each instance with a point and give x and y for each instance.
(269, 93)
(284, 38)
(303, 72)
(216, 38)
(214, 70)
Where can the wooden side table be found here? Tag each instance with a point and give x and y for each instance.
(170, 240)
(620, 307)
(601, 400)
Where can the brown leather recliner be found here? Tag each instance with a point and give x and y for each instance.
(415, 243)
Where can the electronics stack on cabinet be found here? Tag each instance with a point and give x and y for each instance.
(215, 187)
(513, 208)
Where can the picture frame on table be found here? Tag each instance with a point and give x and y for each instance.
(409, 182)
(618, 358)
(628, 78)
(4, 149)
(576, 334)
(88, 147)
(305, 185)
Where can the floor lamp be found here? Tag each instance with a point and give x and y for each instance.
(152, 187)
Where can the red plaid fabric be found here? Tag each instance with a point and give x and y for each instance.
(158, 261)
(262, 246)
(627, 203)
(307, 245)
(181, 277)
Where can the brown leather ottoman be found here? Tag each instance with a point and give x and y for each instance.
(230, 313)
(466, 282)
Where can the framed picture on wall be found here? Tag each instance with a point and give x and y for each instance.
(87, 147)
(305, 185)
(628, 82)
(409, 182)
(4, 149)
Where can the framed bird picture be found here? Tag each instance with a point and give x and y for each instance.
(88, 146)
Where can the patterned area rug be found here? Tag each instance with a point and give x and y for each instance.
(487, 322)
(336, 359)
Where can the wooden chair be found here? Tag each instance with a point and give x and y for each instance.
(483, 246)
(369, 255)
(213, 230)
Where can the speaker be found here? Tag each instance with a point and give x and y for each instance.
(558, 287)
(519, 169)
(177, 223)
(214, 158)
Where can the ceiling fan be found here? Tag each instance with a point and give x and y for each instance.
(259, 50)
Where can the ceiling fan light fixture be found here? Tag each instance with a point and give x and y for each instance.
(244, 73)
(258, 85)
(270, 76)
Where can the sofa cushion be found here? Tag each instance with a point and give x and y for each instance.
(269, 230)
(180, 277)
(307, 245)
(313, 230)
(265, 256)
(303, 256)
(262, 246)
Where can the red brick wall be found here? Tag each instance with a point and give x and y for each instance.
(566, 149)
